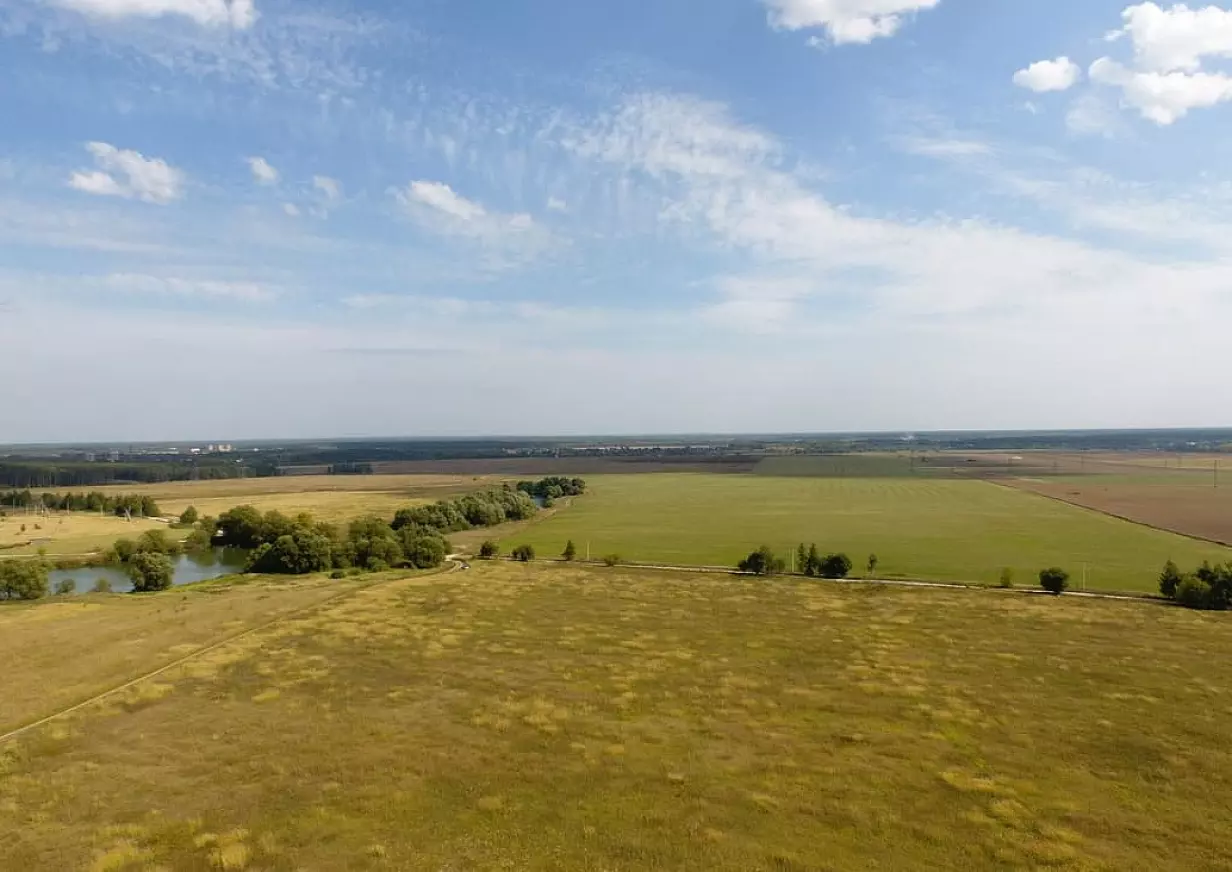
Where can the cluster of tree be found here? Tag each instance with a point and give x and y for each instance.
(23, 579)
(814, 564)
(1208, 588)
(553, 487)
(44, 474)
(149, 542)
(484, 509)
(301, 545)
(95, 501)
(351, 469)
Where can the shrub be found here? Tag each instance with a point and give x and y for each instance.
(570, 552)
(1054, 580)
(489, 550)
(611, 560)
(1170, 579)
(23, 579)
(836, 566)
(189, 516)
(337, 574)
(1194, 593)
(1007, 579)
(65, 586)
(523, 553)
(102, 586)
(762, 562)
(150, 572)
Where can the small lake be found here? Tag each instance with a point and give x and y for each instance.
(189, 569)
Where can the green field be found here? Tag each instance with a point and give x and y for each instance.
(568, 718)
(919, 528)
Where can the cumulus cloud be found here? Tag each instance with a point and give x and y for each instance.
(238, 14)
(1166, 80)
(262, 172)
(845, 21)
(128, 174)
(1058, 75)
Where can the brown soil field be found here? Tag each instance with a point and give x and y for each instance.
(1184, 506)
(541, 466)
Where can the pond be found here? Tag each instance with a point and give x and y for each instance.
(189, 568)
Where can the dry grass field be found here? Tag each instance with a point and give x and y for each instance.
(561, 718)
(64, 534)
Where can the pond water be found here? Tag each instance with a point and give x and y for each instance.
(189, 568)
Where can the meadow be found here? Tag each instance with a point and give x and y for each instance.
(63, 534)
(930, 528)
(569, 718)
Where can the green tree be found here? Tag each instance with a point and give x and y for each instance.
(1007, 578)
(189, 516)
(426, 552)
(488, 550)
(1054, 580)
(523, 553)
(23, 579)
(241, 527)
(762, 562)
(836, 566)
(812, 564)
(802, 563)
(1170, 579)
(570, 552)
(871, 566)
(1194, 593)
(150, 571)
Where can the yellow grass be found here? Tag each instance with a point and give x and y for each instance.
(562, 718)
(77, 533)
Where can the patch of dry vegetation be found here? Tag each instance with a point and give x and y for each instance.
(537, 717)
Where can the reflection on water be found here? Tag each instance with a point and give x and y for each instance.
(189, 568)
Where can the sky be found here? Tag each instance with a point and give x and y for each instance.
(264, 218)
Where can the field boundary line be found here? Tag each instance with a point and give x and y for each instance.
(1109, 514)
(456, 565)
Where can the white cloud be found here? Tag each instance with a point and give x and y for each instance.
(1177, 38)
(555, 204)
(246, 292)
(239, 14)
(1170, 45)
(510, 239)
(845, 21)
(331, 188)
(1163, 97)
(1058, 75)
(262, 172)
(291, 209)
(128, 174)
(952, 147)
(443, 198)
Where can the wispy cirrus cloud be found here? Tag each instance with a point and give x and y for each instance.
(240, 14)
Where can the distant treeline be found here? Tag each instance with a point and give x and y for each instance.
(95, 501)
(41, 474)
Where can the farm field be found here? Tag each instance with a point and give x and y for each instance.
(542, 717)
(333, 498)
(920, 528)
(62, 534)
(1181, 503)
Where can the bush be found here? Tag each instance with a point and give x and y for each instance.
(836, 566)
(611, 560)
(570, 552)
(873, 560)
(489, 550)
(189, 516)
(1054, 580)
(337, 574)
(65, 586)
(523, 553)
(1194, 593)
(1007, 579)
(762, 562)
(426, 552)
(102, 586)
(1170, 579)
(23, 579)
(150, 572)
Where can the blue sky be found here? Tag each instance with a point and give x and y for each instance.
(252, 219)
